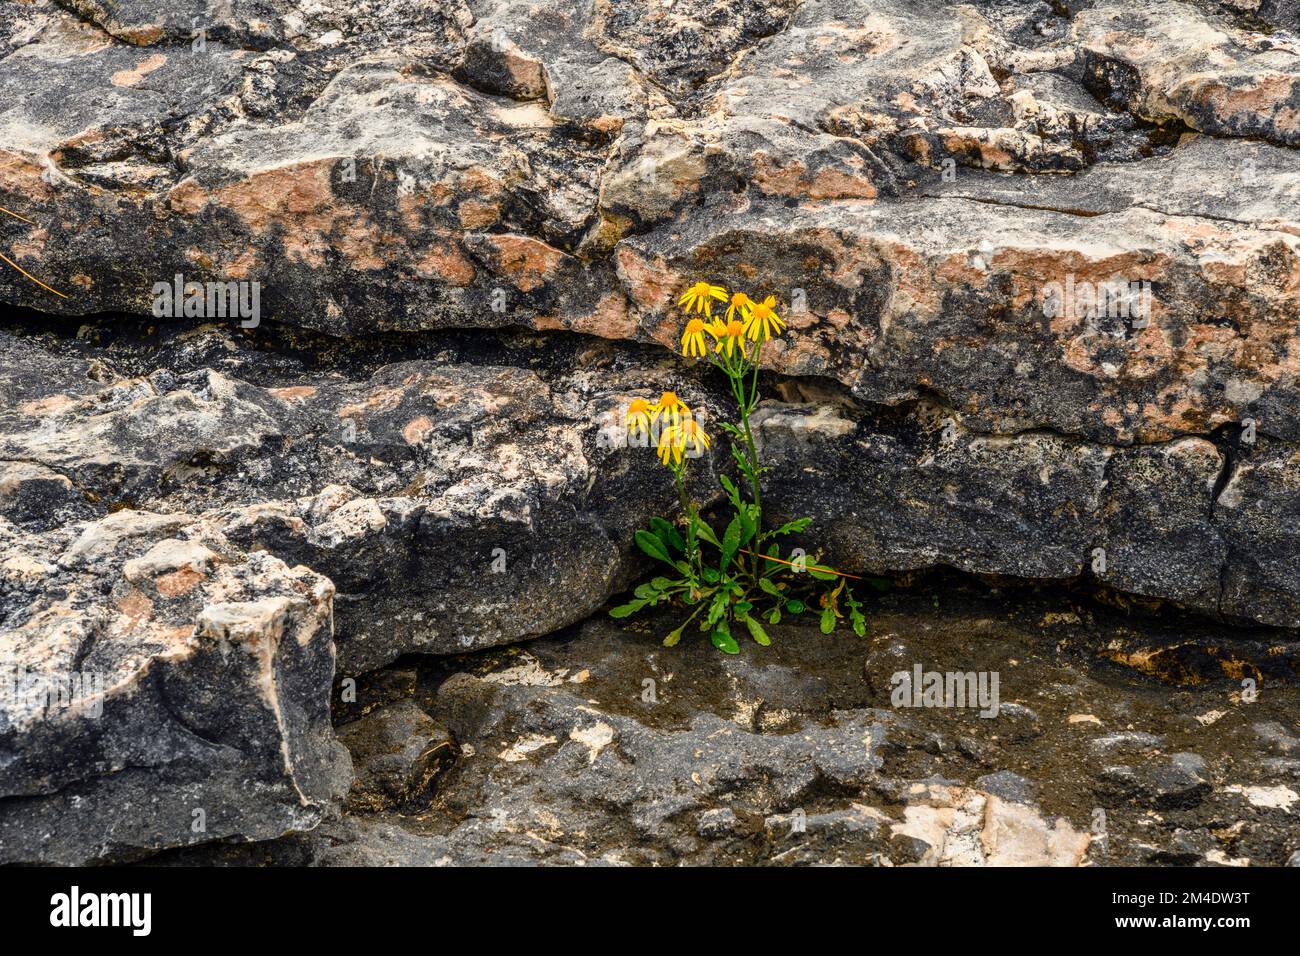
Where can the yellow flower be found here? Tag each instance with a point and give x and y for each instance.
(764, 320)
(672, 408)
(739, 303)
(732, 334)
(666, 446)
(693, 439)
(685, 439)
(638, 417)
(699, 298)
(693, 338)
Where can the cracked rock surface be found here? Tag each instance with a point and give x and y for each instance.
(599, 747)
(163, 687)
(468, 222)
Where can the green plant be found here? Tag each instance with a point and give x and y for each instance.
(736, 580)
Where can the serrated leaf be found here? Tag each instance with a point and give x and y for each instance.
(716, 610)
(742, 462)
(793, 527)
(731, 429)
(858, 621)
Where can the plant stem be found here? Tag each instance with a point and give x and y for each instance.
(692, 549)
(747, 403)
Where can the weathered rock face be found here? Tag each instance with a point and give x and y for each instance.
(1040, 264)
(891, 170)
(600, 747)
(161, 688)
(1208, 525)
(451, 505)
(457, 501)
(570, 164)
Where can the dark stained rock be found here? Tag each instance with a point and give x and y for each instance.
(598, 746)
(397, 752)
(570, 165)
(160, 688)
(467, 224)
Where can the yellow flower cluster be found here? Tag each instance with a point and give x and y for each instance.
(679, 433)
(744, 319)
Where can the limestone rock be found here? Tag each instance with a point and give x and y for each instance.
(161, 688)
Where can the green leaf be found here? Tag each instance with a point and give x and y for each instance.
(722, 639)
(732, 493)
(828, 619)
(821, 575)
(711, 576)
(661, 583)
(705, 533)
(627, 610)
(774, 616)
(748, 516)
(716, 610)
(742, 608)
(676, 635)
(647, 592)
(858, 621)
(795, 606)
(756, 631)
(742, 462)
(730, 543)
(651, 545)
(769, 586)
(666, 533)
(793, 527)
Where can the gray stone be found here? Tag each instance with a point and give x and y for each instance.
(161, 688)
(397, 753)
